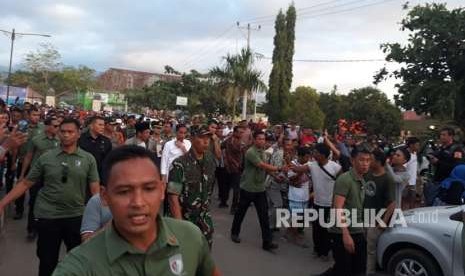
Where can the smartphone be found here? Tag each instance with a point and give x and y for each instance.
(22, 126)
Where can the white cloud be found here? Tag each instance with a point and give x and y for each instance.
(63, 12)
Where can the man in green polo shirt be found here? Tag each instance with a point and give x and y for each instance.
(66, 172)
(139, 241)
(34, 128)
(253, 190)
(35, 148)
(349, 244)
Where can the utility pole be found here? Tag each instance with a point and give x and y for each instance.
(13, 35)
(244, 96)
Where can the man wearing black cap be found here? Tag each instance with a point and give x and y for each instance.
(191, 183)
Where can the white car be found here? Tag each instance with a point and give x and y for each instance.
(430, 245)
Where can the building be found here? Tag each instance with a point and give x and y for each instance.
(115, 79)
(23, 94)
(412, 116)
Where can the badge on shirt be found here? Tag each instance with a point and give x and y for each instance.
(371, 188)
(176, 264)
(78, 163)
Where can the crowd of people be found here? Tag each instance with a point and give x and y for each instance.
(119, 188)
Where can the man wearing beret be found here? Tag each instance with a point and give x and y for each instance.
(191, 183)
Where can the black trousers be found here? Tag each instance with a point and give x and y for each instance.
(31, 221)
(320, 235)
(349, 264)
(231, 181)
(10, 177)
(261, 206)
(51, 232)
(222, 184)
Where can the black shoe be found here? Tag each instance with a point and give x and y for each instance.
(270, 246)
(232, 211)
(235, 238)
(31, 236)
(18, 216)
(223, 205)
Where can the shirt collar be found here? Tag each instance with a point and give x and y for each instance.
(117, 246)
(78, 152)
(354, 176)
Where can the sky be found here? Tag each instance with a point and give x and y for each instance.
(146, 35)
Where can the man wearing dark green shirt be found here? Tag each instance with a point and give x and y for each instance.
(139, 241)
(35, 148)
(253, 190)
(349, 244)
(34, 128)
(379, 195)
(66, 172)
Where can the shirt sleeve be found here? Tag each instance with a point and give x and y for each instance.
(72, 266)
(412, 171)
(30, 146)
(92, 175)
(390, 190)
(175, 179)
(206, 265)
(36, 172)
(253, 157)
(164, 159)
(341, 187)
(91, 220)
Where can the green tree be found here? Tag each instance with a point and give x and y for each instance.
(237, 77)
(203, 97)
(335, 107)
(42, 64)
(305, 108)
(281, 74)
(433, 62)
(372, 106)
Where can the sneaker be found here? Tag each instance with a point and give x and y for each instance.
(270, 246)
(235, 238)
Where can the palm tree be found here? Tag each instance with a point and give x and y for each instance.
(237, 77)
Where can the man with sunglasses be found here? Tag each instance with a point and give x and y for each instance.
(38, 146)
(66, 172)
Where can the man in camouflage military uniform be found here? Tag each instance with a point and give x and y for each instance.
(191, 182)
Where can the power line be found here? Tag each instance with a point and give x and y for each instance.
(260, 56)
(309, 14)
(350, 9)
(213, 49)
(216, 40)
(300, 9)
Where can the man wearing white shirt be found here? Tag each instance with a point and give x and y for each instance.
(174, 149)
(409, 193)
(323, 173)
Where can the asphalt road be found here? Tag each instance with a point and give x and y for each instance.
(17, 255)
